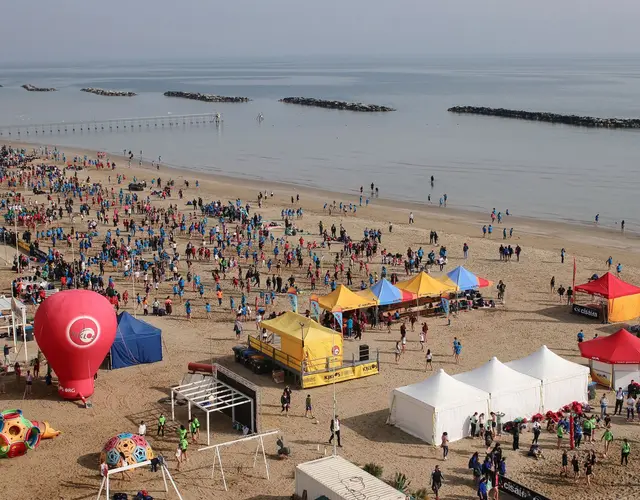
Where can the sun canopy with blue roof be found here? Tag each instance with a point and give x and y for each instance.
(463, 279)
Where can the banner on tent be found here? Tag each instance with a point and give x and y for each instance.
(589, 312)
(340, 375)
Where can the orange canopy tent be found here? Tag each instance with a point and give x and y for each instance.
(623, 299)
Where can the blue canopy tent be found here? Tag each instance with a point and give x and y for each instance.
(464, 279)
(136, 342)
(386, 293)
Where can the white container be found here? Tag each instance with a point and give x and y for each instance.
(338, 479)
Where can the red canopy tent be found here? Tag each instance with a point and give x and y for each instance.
(609, 287)
(623, 299)
(606, 353)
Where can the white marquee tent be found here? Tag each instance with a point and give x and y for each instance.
(436, 405)
(512, 393)
(562, 381)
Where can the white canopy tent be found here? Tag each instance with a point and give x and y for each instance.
(562, 381)
(436, 405)
(210, 394)
(512, 393)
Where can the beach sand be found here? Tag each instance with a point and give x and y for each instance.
(66, 467)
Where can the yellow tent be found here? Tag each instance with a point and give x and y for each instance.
(343, 299)
(367, 295)
(301, 338)
(423, 285)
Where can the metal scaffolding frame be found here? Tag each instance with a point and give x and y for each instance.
(211, 395)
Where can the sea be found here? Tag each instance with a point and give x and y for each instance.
(540, 170)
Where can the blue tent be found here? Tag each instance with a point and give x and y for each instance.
(466, 280)
(386, 292)
(136, 342)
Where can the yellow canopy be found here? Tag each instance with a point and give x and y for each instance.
(367, 294)
(304, 339)
(446, 281)
(424, 285)
(343, 299)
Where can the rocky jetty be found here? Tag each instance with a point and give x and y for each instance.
(196, 96)
(32, 88)
(574, 120)
(109, 93)
(342, 105)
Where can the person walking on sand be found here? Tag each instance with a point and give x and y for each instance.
(553, 284)
(604, 403)
(334, 427)
(457, 351)
(575, 463)
(162, 420)
(619, 401)
(429, 359)
(423, 337)
(625, 450)
(562, 255)
(444, 444)
(588, 471)
(436, 481)
(403, 337)
(565, 464)
(29, 383)
(308, 408)
(398, 351)
(474, 424)
(607, 437)
(410, 217)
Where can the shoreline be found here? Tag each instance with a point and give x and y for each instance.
(530, 231)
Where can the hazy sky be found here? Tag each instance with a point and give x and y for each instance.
(62, 30)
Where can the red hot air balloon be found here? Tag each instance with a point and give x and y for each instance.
(75, 329)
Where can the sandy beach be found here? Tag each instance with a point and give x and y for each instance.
(67, 467)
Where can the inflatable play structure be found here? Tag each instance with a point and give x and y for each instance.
(74, 330)
(18, 434)
(134, 447)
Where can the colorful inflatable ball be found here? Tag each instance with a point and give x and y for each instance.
(17, 434)
(134, 447)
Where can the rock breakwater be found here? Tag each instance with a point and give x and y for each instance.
(109, 93)
(341, 105)
(196, 96)
(32, 88)
(574, 120)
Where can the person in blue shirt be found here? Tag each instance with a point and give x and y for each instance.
(619, 268)
(483, 490)
(207, 308)
(580, 336)
(187, 307)
(349, 327)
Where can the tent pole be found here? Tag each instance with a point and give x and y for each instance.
(208, 433)
(101, 488)
(164, 479)
(173, 405)
(264, 456)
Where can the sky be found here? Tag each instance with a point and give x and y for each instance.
(82, 30)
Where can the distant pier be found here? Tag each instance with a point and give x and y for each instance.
(126, 124)
(574, 120)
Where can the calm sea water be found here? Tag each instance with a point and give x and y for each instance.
(533, 169)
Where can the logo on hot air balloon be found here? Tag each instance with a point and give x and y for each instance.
(83, 331)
